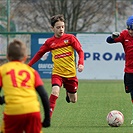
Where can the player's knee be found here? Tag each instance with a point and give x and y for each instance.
(73, 100)
(56, 93)
(73, 97)
(55, 90)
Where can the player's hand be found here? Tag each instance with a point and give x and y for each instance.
(115, 35)
(2, 100)
(46, 123)
(80, 68)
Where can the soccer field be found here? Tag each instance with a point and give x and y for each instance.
(95, 100)
(88, 115)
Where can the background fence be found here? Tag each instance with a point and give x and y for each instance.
(98, 54)
(21, 19)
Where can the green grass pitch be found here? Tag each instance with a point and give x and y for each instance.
(95, 100)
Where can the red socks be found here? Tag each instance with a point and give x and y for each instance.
(52, 101)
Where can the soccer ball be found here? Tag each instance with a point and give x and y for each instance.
(115, 118)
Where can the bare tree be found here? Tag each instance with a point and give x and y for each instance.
(80, 15)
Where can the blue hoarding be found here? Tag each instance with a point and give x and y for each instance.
(44, 65)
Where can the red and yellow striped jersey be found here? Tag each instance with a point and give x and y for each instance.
(62, 50)
(18, 82)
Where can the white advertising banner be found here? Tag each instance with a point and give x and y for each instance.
(102, 60)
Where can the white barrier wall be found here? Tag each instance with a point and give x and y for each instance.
(102, 60)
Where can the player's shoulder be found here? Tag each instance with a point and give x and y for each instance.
(124, 32)
(50, 39)
(68, 35)
(29, 68)
(17, 66)
(7, 64)
(34, 72)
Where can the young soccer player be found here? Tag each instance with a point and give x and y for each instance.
(62, 47)
(126, 39)
(20, 83)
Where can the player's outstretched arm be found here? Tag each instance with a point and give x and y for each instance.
(43, 49)
(45, 101)
(111, 38)
(115, 35)
(34, 59)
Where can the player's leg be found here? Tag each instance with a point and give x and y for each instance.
(56, 84)
(53, 97)
(72, 97)
(131, 93)
(71, 86)
(128, 82)
(67, 97)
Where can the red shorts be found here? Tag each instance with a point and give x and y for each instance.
(30, 123)
(70, 84)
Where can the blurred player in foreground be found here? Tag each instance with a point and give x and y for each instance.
(126, 38)
(62, 47)
(20, 84)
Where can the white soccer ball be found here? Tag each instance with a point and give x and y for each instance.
(115, 118)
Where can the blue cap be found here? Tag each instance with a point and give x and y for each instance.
(130, 23)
